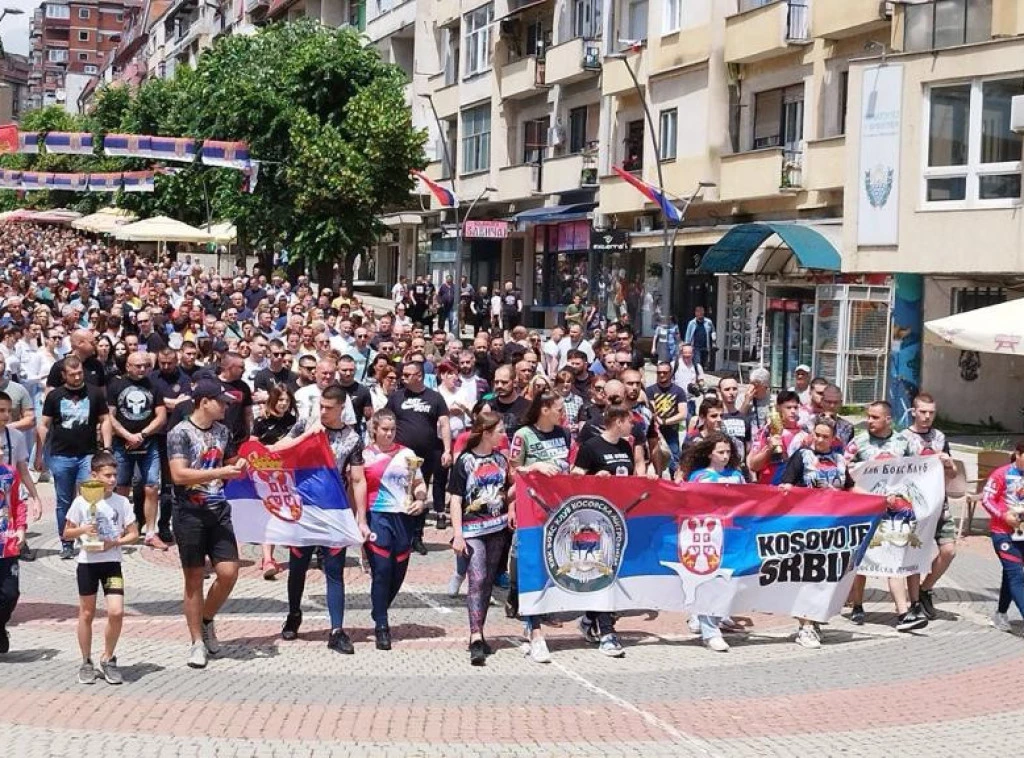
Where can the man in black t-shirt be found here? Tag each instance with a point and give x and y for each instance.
(421, 416)
(358, 395)
(668, 400)
(83, 347)
(511, 307)
(71, 414)
(275, 373)
(153, 340)
(508, 403)
(238, 415)
(137, 414)
(176, 387)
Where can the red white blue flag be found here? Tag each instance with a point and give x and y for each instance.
(652, 193)
(444, 196)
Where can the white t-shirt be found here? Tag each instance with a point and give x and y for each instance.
(307, 406)
(114, 514)
(566, 345)
(18, 450)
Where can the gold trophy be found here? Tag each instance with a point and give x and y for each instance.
(414, 463)
(92, 492)
(775, 427)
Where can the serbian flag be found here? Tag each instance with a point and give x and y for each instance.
(225, 154)
(182, 149)
(10, 179)
(127, 145)
(444, 196)
(139, 181)
(70, 182)
(611, 544)
(295, 497)
(69, 143)
(35, 180)
(652, 193)
(104, 182)
(28, 142)
(9, 138)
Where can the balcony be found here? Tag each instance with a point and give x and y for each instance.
(572, 61)
(615, 79)
(522, 78)
(847, 18)
(616, 196)
(568, 173)
(760, 173)
(518, 182)
(446, 100)
(766, 31)
(400, 16)
(254, 5)
(826, 163)
(447, 12)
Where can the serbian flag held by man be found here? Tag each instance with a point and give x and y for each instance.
(444, 196)
(652, 193)
(295, 497)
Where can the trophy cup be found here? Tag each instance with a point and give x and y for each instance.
(775, 427)
(92, 492)
(414, 463)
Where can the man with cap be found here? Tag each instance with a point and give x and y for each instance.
(700, 333)
(802, 384)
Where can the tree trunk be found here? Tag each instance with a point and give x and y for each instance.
(324, 271)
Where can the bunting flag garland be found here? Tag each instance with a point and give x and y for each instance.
(70, 182)
(10, 179)
(139, 181)
(34, 180)
(28, 142)
(225, 154)
(182, 149)
(127, 146)
(104, 182)
(69, 143)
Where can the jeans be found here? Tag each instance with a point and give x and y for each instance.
(1011, 555)
(604, 621)
(333, 561)
(671, 436)
(709, 626)
(68, 472)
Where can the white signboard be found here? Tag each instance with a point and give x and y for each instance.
(878, 177)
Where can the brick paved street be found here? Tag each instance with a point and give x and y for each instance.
(869, 692)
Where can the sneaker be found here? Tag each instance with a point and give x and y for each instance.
(503, 580)
(209, 633)
(442, 522)
(807, 636)
(383, 636)
(857, 616)
(156, 543)
(340, 643)
(488, 650)
(86, 672)
(197, 657)
(290, 630)
(717, 643)
(167, 537)
(589, 631)
(911, 620)
(926, 605)
(477, 656)
(610, 646)
(455, 584)
(44, 476)
(5, 640)
(1001, 622)
(110, 672)
(67, 552)
(693, 624)
(418, 546)
(27, 553)
(539, 650)
(270, 569)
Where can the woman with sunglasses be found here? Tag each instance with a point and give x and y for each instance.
(481, 520)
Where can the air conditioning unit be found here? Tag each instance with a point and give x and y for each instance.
(1017, 114)
(643, 224)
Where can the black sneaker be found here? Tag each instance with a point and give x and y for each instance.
(418, 546)
(166, 537)
(857, 616)
(477, 654)
(488, 650)
(27, 553)
(911, 620)
(442, 522)
(67, 553)
(5, 640)
(340, 643)
(383, 636)
(926, 606)
(290, 630)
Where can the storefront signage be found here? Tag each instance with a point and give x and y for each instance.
(878, 178)
(609, 241)
(491, 230)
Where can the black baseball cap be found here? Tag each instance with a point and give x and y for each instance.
(212, 389)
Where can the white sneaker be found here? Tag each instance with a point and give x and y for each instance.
(1001, 622)
(807, 636)
(455, 584)
(209, 632)
(539, 650)
(693, 624)
(197, 657)
(718, 644)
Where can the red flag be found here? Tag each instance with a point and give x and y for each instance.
(9, 138)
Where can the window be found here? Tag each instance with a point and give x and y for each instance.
(779, 118)
(636, 20)
(945, 23)
(478, 39)
(671, 18)
(83, 13)
(561, 262)
(56, 55)
(972, 156)
(668, 134)
(971, 298)
(586, 19)
(83, 36)
(119, 17)
(476, 139)
(844, 97)
(83, 56)
(535, 139)
(577, 130)
(58, 11)
(91, 69)
(633, 146)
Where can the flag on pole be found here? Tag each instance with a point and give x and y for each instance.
(444, 196)
(653, 194)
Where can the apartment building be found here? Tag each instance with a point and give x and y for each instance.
(70, 42)
(14, 73)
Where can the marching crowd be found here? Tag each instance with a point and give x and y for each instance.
(147, 375)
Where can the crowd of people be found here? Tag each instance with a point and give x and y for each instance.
(147, 376)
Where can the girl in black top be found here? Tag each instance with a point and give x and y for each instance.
(277, 421)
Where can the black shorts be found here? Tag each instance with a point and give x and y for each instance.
(202, 532)
(92, 576)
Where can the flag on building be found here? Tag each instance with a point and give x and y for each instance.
(294, 498)
(444, 196)
(652, 193)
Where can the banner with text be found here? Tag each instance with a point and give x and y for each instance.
(915, 489)
(609, 544)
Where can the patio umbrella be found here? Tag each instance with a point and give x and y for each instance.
(161, 229)
(994, 329)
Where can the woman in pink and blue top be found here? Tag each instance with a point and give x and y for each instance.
(713, 460)
(1003, 498)
(391, 520)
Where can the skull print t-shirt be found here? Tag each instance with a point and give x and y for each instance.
(134, 402)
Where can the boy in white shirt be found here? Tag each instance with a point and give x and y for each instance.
(114, 525)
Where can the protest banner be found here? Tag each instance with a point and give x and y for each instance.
(904, 543)
(614, 544)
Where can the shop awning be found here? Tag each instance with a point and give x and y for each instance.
(552, 214)
(811, 248)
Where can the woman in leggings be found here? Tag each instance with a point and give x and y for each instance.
(1003, 498)
(391, 522)
(481, 520)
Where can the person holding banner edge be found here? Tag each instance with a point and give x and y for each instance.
(1003, 500)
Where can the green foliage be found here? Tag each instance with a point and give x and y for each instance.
(321, 111)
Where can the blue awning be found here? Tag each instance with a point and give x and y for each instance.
(552, 214)
(810, 248)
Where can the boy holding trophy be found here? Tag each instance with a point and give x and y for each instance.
(13, 522)
(102, 521)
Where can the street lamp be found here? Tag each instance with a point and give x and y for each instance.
(10, 10)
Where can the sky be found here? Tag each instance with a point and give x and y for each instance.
(14, 29)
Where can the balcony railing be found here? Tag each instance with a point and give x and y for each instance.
(792, 169)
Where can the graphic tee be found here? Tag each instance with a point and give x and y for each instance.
(481, 481)
(809, 468)
(598, 454)
(75, 414)
(114, 514)
(416, 417)
(931, 442)
(134, 402)
(710, 476)
(345, 443)
(866, 447)
(200, 449)
(530, 445)
(387, 478)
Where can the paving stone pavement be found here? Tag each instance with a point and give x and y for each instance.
(868, 692)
